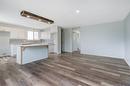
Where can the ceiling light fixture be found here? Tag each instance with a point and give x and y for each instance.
(36, 17)
(39, 20)
(77, 11)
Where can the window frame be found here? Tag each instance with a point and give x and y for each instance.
(34, 36)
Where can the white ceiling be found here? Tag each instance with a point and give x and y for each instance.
(63, 12)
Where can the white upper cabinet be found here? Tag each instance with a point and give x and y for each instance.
(15, 33)
(53, 29)
(18, 34)
(45, 35)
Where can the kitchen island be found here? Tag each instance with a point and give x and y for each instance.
(31, 52)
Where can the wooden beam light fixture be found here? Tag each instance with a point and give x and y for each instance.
(36, 17)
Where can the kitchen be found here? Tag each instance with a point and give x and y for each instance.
(19, 36)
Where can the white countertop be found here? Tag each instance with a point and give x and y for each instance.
(30, 45)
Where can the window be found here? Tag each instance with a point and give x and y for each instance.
(30, 35)
(33, 35)
(36, 36)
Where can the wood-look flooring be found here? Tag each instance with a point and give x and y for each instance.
(66, 70)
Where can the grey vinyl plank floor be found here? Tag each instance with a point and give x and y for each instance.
(66, 70)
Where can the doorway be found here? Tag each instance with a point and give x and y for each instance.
(76, 40)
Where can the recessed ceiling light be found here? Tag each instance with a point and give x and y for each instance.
(28, 16)
(48, 22)
(79, 85)
(77, 11)
(39, 20)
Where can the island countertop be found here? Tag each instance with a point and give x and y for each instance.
(31, 45)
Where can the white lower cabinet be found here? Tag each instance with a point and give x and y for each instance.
(14, 50)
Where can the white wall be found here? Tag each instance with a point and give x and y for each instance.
(4, 43)
(103, 39)
(67, 40)
(127, 39)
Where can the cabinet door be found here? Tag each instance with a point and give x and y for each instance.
(18, 34)
(45, 35)
(13, 50)
(22, 34)
(14, 34)
(53, 29)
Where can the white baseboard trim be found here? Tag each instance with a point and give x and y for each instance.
(127, 61)
(103, 55)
